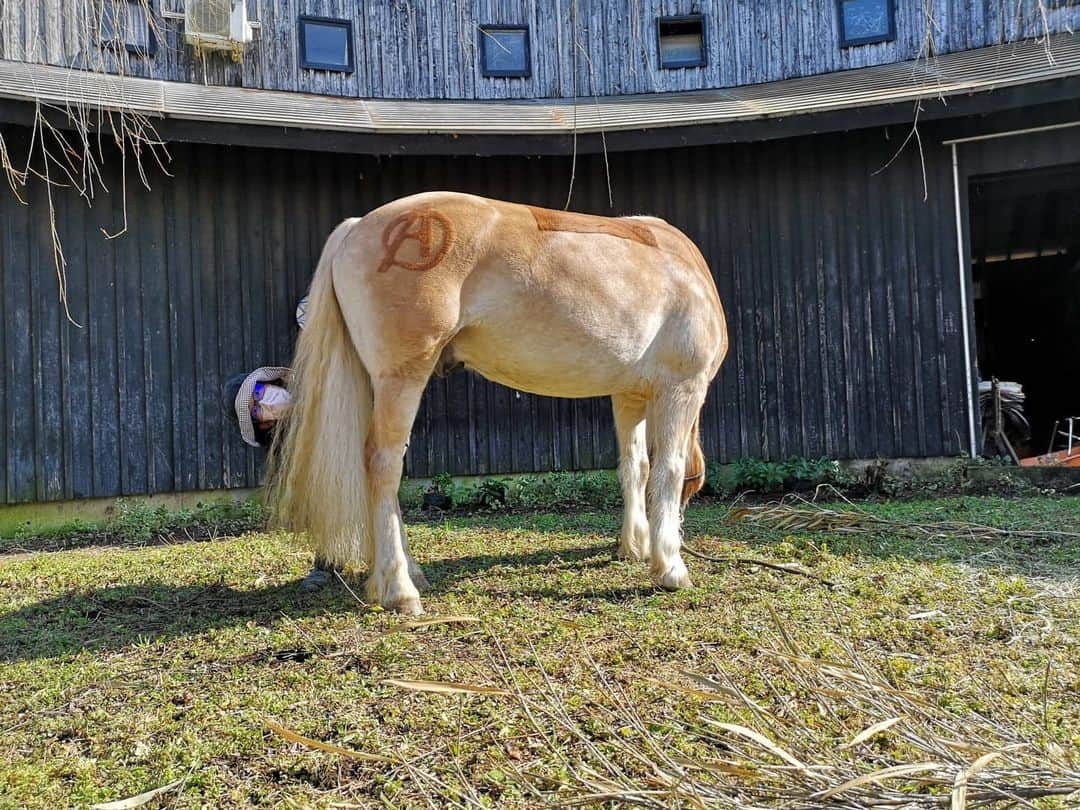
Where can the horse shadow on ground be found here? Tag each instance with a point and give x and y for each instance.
(111, 618)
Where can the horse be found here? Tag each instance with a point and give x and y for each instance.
(548, 302)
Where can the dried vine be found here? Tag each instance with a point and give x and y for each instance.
(68, 141)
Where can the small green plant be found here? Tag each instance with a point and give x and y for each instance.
(599, 490)
(810, 470)
(794, 473)
(757, 474)
(138, 521)
(491, 494)
(440, 493)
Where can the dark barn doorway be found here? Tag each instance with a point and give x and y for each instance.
(1025, 254)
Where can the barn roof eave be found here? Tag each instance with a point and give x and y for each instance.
(841, 100)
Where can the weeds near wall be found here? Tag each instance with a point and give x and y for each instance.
(136, 522)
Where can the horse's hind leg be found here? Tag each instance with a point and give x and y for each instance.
(633, 475)
(669, 419)
(393, 576)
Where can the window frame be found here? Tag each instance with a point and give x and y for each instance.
(682, 18)
(336, 22)
(131, 47)
(495, 73)
(845, 42)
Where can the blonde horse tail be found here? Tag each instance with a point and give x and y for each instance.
(695, 465)
(316, 481)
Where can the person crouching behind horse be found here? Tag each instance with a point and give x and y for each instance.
(256, 402)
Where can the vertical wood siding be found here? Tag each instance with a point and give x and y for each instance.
(427, 48)
(839, 284)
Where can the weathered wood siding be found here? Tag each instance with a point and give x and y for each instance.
(840, 286)
(427, 48)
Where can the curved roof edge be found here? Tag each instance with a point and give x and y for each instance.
(957, 74)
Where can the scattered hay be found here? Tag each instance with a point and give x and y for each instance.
(796, 514)
(911, 753)
(598, 746)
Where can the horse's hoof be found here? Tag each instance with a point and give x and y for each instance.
(398, 595)
(676, 578)
(317, 578)
(407, 606)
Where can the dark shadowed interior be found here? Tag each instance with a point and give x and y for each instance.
(1025, 244)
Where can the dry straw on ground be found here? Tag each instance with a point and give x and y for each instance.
(910, 752)
(796, 514)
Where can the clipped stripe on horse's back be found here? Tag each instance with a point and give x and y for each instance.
(549, 220)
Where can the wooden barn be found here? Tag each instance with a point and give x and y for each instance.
(888, 193)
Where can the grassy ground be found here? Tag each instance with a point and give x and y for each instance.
(126, 668)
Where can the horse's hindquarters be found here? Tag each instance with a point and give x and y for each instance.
(588, 315)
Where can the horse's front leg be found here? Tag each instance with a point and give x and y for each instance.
(633, 475)
(670, 417)
(393, 576)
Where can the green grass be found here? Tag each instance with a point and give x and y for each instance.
(126, 667)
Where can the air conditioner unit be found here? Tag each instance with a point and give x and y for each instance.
(217, 25)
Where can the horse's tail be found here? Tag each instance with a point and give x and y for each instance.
(695, 465)
(316, 481)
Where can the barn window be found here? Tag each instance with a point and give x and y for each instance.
(326, 44)
(681, 41)
(126, 25)
(863, 22)
(504, 50)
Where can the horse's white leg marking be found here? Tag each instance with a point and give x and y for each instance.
(633, 475)
(416, 573)
(669, 417)
(390, 581)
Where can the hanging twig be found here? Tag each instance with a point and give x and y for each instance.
(65, 150)
(574, 80)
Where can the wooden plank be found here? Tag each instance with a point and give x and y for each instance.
(155, 272)
(179, 252)
(207, 257)
(76, 416)
(130, 363)
(856, 329)
(881, 331)
(808, 442)
(18, 365)
(905, 192)
(49, 399)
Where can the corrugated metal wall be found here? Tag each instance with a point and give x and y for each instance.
(427, 48)
(840, 286)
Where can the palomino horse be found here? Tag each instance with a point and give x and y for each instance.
(549, 302)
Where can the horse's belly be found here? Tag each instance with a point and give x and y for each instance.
(536, 364)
